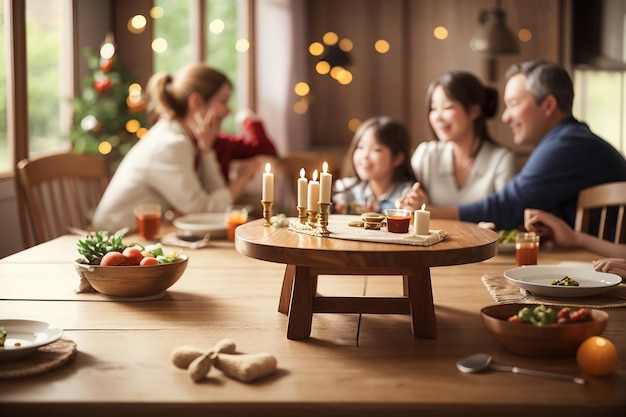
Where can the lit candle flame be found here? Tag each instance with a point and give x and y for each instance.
(325, 167)
(302, 173)
(268, 167)
(423, 206)
(315, 175)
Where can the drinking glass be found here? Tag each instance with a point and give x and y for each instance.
(526, 249)
(148, 218)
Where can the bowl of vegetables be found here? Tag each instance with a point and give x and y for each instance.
(114, 268)
(542, 331)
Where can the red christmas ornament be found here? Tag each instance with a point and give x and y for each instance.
(102, 84)
(106, 64)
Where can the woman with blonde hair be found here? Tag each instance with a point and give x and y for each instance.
(182, 163)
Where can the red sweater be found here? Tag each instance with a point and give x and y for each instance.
(254, 142)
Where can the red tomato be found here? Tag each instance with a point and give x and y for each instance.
(147, 261)
(113, 259)
(133, 255)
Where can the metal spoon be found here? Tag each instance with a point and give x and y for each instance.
(482, 361)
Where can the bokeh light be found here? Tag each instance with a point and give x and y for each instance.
(322, 67)
(159, 45)
(440, 33)
(525, 35)
(156, 12)
(330, 38)
(302, 89)
(105, 148)
(137, 24)
(346, 45)
(381, 46)
(300, 107)
(242, 45)
(216, 26)
(353, 125)
(316, 49)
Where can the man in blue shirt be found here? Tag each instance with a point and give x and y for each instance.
(567, 158)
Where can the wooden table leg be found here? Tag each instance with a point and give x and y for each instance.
(301, 310)
(285, 292)
(423, 320)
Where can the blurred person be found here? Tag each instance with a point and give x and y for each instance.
(464, 163)
(567, 158)
(183, 162)
(380, 169)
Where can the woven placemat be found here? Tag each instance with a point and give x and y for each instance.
(503, 292)
(44, 359)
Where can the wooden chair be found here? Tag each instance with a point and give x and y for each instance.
(58, 191)
(609, 200)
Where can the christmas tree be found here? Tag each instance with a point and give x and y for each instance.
(110, 115)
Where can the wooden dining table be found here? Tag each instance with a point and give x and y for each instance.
(352, 364)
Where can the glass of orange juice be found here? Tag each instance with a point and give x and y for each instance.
(148, 218)
(235, 215)
(526, 249)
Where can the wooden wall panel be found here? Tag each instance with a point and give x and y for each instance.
(396, 83)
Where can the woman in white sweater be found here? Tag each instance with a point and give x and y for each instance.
(175, 164)
(464, 163)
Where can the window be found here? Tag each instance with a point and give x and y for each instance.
(173, 46)
(48, 102)
(604, 96)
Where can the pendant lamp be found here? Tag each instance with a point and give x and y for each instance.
(493, 37)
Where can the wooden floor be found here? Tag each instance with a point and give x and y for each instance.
(123, 366)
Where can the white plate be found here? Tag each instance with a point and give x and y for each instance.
(202, 223)
(29, 334)
(536, 279)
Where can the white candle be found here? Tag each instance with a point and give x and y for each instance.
(302, 189)
(326, 184)
(421, 226)
(314, 193)
(268, 184)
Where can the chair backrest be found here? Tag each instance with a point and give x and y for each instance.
(609, 200)
(59, 191)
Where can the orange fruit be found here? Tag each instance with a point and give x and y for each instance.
(597, 356)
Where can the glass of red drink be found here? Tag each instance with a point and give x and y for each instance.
(398, 220)
(148, 218)
(526, 249)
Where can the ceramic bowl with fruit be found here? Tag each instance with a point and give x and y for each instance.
(127, 271)
(542, 331)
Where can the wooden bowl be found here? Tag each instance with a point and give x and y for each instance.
(549, 341)
(133, 281)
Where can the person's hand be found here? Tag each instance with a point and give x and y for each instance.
(205, 129)
(414, 198)
(549, 226)
(611, 265)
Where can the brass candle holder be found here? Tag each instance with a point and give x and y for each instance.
(323, 221)
(312, 217)
(302, 215)
(267, 212)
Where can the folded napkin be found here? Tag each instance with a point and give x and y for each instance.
(172, 239)
(504, 292)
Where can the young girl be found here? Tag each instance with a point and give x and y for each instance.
(464, 164)
(381, 171)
